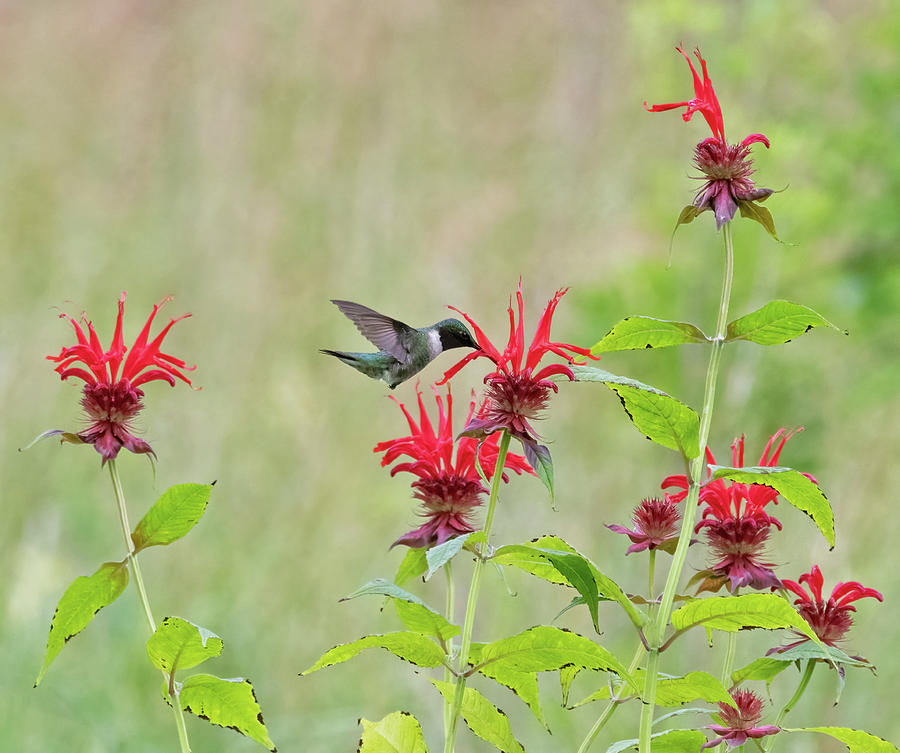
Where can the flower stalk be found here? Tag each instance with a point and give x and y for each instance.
(472, 602)
(801, 688)
(450, 608)
(145, 600)
(657, 628)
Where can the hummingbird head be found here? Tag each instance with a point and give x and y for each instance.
(455, 334)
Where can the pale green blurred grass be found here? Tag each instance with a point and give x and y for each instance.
(256, 160)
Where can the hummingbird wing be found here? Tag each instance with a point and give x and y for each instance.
(384, 333)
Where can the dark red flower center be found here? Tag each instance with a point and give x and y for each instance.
(657, 518)
(829, 621)
(720, 161)
(746, 715)
(511, 400)
(112, 403)
(448, 492)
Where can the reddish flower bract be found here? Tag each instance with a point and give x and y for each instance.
(726, 167)
(740, 724)
(655, 526)
(448, 486)
(830, 620)
(111, 395)
(517, 390)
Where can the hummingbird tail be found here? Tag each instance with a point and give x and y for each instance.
(347, 358)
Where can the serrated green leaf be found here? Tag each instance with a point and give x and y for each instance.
(399, 732)
(175, 513)
(578, 572)
(753, 211)
(674, 691)
(524, 684)
(422, 619)
(733, 613)
(765, 668)
(567, 676)
(856, 740)
(413, 565)
(438, 556)
(483, 717)
(775, 323)
(809, 650)
(658, 416)
(670, 741)
(415, 648)
(180, 644)
(226, 703)
(86, 596)
(382, 587)
(535, 558)
(793, 486)
(642, 332)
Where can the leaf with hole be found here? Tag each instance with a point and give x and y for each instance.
(413, 647)
(644, 332)
(227, 703)
(776, 323)
(179, 644)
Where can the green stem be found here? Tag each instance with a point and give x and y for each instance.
(652, 568)
(804, 681)
(728, 664)
(472, 602)
(656, 631)
(145, 600)
(611, 707)
(448, 676)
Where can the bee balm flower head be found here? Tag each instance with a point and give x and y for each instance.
(111, 396)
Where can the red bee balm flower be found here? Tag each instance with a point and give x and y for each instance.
(739, 724)
(727, 167)
(830, 620)
(450, 488)
(517, 391)
(655, 526)
(737, 526)
(111, 396)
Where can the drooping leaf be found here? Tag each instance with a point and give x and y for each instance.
(86, 596)
(670, 741)
(227, 703)
(793, 486)
(673, 691)
(179, 644)
(642, 332)
(567, 676)
(422, 619)
(524, 684)
(856, 740)
(438, 556)
(539, 459)
(415, 648)
(753, 211)
(809, 650)
(536, 558)
(483, 718)
(775, 323)
(576, 569)
(687, 216)
(733, 613)
(765, 668)
(413, 565)
(175, 513)
(658, 416)
(399, 732)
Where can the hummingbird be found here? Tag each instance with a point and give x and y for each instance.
(402, 350)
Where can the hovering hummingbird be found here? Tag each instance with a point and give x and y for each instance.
(403, 350)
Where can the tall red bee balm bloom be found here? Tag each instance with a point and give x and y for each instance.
(448, 485)
(112, 395)
(726, 167)
(517, 390)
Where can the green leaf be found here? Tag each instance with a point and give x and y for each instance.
(856, 740)
(226, 703)
(674, 691)
(483, 717)
(399, 732)
(524, 684)
(765, 668)
(733, 613)
(415, 648)
(174, 514)
(687, 216)
(793, 486)
(438, 556)
(422, 619)
(775, 323)
(769, 667)
(536, 558)
(567, 676)
(660, 417)
(643, 332)
(670, 741)
(179, 644)
(382, 587)
(578, 572)
(86, 596)
(753, 211)
(413, 565)
(539, 459)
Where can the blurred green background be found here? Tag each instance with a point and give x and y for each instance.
(255, 160)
